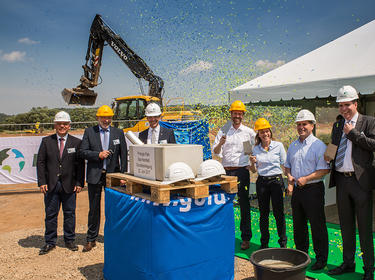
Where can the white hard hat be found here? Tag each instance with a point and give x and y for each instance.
(305, 115)
(176, 172)
(152, 110)
(62, 116)
(209, 168)
(346, 93)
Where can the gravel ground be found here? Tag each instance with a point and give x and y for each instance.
(22, 235)
(19, 259)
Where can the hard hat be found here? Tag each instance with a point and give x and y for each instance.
(261, 123)
(62, 116)
(209, 168)
(104, 111)
(152, 110)
(346, 93)
(176, 172)
(305, 115)
(237, 106)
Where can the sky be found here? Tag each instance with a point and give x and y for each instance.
(201, 49)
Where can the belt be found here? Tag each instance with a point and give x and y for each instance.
(346, 174)
(308, 185)
(269, 177)
(233, 167)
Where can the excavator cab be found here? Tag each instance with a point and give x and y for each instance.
(130, 112)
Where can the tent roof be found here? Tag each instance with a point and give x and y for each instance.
(350, 59)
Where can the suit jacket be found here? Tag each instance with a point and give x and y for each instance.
(164, 134)
(91, 146)
(363, 146)
(70, 167)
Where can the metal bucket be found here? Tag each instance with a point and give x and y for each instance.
(280, 263)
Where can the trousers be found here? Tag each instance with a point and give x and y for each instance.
(52, 202)
(95, 195)
(271, 190)
(243, 177)
(354, 203)
(308, 205)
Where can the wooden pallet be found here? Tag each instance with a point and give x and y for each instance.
(228, 184)
(161, 193)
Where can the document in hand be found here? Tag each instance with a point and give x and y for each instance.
(330, 151)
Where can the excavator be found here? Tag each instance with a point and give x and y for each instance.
(128, 110)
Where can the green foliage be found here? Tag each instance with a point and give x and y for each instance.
(326, 138)
(3, 117)
(46, 115)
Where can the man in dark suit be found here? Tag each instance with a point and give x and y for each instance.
(60, 176)
(104, 148)
(353, 175)
(156, 134)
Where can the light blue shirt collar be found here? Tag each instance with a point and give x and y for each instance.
(104, 130)
(308, 140)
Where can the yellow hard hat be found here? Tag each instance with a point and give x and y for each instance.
(237, 106)
(104, 111)
(262, 123)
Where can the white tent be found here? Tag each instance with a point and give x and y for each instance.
(350, 59)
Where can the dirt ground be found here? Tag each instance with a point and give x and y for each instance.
(22, 235)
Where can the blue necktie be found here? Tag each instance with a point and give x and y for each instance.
(341, 151)
(105, 145)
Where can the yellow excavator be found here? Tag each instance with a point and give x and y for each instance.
(129, 110)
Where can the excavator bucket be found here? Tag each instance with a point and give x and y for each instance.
(82, 96)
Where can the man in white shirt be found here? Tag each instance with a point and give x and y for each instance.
(354, 176)
(229, 146)
(156, 134)
(305, 167)
(60, 177)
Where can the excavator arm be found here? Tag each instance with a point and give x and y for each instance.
(101, 33)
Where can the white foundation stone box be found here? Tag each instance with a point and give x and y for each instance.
(151, 161)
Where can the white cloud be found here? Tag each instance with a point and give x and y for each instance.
(27, 41)
(266, 64)
(13, 56)
(197, 67)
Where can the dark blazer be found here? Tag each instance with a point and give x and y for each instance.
(165, 134)
(91, 146)
(363, 146)
(70, 166)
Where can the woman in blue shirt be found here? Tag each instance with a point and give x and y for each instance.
(267, 159)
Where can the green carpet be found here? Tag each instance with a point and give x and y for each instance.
(335, 245)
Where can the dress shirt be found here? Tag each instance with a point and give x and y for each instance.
(105, 147)
(348, 164)
(304, 158)
(58, 140)
(268, 162)
(232, 152)
(149, 135)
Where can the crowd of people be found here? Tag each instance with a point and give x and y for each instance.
(61, 169)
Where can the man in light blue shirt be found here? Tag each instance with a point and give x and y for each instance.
(305, 167)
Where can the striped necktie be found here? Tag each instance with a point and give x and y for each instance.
(341, 150)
